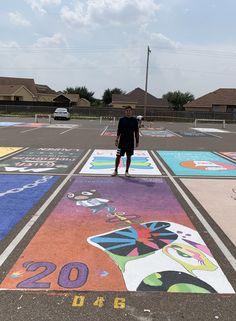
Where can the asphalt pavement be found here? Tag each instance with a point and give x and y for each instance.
(28, 238)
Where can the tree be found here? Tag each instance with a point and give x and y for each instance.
(82, 91)
(107, 95)
(178, 99)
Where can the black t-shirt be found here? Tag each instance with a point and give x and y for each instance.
(127, 129)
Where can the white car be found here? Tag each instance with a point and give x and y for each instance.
(61, 113)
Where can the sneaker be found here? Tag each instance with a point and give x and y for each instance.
(127, 174)
(115, 173)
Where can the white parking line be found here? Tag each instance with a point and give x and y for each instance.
(173, 133)
(225, 156)
(29, 130)
(66, 131)
(210, 134)
(28, 226)
(214, 235)
(103, 131)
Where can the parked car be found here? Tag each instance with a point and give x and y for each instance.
(61, 113)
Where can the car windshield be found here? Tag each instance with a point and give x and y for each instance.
(61, 110)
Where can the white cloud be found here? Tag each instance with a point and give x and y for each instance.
(39, 5)
(56, 40)
(9, 45)
(18, 19)
(162, 41)
(47, 61)
(116, 12)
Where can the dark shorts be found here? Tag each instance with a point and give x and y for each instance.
(122, 151)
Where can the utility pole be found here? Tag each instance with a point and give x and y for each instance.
(146, 83)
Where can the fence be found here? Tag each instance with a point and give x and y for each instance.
(153, 114)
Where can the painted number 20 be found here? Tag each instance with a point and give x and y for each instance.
(64, 278)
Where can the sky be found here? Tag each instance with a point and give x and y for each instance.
(103, 44)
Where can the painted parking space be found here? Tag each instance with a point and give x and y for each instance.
(4, 151)
(38, 125)
(40, 160)
(109, 132)
(231, 155)
(47, 125)
(18, 195)
(192, 133)
(210, 130)
(158, 133)
(223, 211)
(32, 125)
(102, 242)
(102, 162)
(196, 163)
(10, 123)
(62, 126)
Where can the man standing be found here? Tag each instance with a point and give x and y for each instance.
(139, 118)
(127, 130)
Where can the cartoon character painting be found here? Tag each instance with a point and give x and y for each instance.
(92, 200)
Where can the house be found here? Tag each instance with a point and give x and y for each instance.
(220, 100)
(136, 99)
(16, 93)
(26, 89)
(84, 103)
(67, 99)
(45, 93)
(44, 89)
(72, 100)
(26, 82)
(36, 92)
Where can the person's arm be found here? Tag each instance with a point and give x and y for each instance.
(137, 133)
(118, 133)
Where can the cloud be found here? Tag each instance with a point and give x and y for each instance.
(39, 5)
(47, 61)
(115, 12)
(18, 19)
(56, 40)
(9, 45)
(162, 41)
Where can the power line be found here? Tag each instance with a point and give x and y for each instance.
(108, 49)
(232, 73)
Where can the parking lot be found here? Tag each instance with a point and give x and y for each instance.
(78, 244)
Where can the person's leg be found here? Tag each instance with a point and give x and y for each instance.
(129, 153)
(128, 162)
(117, 163)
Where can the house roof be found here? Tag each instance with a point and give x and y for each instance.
(138, 96)
(26, 82)
(9, 89)
(71, 97)
(44, 89)
(12, 90)
(221, 96)
(84, 99)
(123, 98)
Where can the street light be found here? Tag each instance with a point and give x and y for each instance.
(146, 83)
